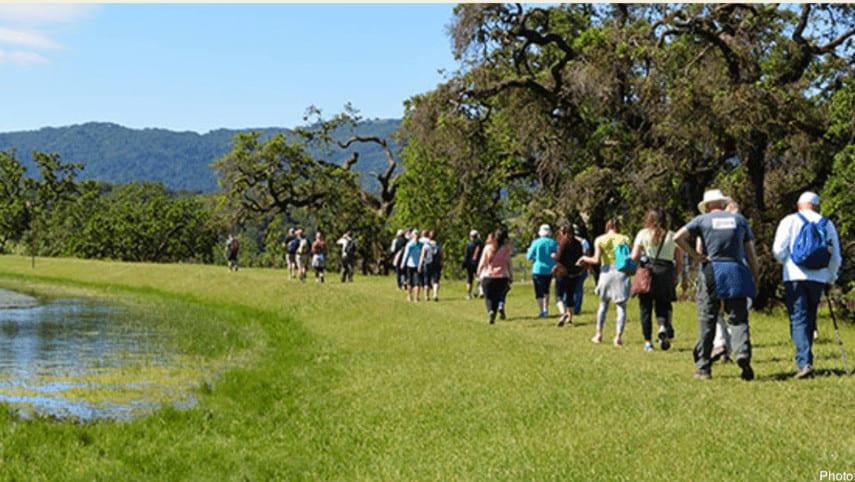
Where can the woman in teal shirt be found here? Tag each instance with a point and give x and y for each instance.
(540, 252)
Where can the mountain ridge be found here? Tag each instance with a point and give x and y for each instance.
(180, 160)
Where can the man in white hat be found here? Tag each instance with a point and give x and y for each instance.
(803, 285)
(724, 280)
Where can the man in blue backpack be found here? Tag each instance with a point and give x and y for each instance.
(807, 244)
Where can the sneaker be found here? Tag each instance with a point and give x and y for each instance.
(544, 314)
(617, 342)
(664, 341)
(492, 317)
(436, 298)
(717, 353)
(648, 346)
(804, 372)
(702, 376)
(745, 364)
(468, 297)
(561, 319)
(501, 313)
(597, 339)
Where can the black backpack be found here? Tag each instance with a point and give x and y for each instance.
(350, 248)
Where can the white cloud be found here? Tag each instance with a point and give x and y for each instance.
(40, 14)
(21, 58)
(24, 26)
(26, 38)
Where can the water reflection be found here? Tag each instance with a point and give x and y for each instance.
(83, 358)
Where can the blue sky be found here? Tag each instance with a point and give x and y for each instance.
(199, 67)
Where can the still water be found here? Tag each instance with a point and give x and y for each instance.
(83, 359)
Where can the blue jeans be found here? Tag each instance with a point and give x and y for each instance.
(802, 299)
(580, 291)
(400, 276)
(565, 290)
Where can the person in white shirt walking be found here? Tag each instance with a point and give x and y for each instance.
(803, 285)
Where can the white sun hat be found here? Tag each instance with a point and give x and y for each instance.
(712, 196)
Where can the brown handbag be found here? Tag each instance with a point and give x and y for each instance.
(642, 282)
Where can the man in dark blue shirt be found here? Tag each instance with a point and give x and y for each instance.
(724, 280)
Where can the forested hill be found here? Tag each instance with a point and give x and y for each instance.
(179, 160)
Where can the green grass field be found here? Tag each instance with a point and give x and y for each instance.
(350, 382)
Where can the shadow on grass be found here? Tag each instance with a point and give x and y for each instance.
(770, 345)
(790, 375)
(551, 321)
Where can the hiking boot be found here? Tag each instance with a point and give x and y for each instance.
(664, 340)
(804, 372)
(717, 353)
(745, 364)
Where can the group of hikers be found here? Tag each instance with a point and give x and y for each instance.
(301, 254)
(651, 266)
(417, 259)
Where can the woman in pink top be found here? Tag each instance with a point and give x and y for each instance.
(496, 269)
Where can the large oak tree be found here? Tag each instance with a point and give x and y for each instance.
(610, 110)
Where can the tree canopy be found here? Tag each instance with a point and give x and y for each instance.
(580, 111)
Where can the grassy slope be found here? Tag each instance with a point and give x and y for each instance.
(350, 382)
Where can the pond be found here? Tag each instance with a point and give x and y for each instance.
(85, 359)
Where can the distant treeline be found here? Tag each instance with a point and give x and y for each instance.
(179, 160)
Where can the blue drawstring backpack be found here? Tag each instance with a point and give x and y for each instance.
(623, 260)
(811, 248)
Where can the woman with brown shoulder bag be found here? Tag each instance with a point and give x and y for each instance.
(654, 249)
